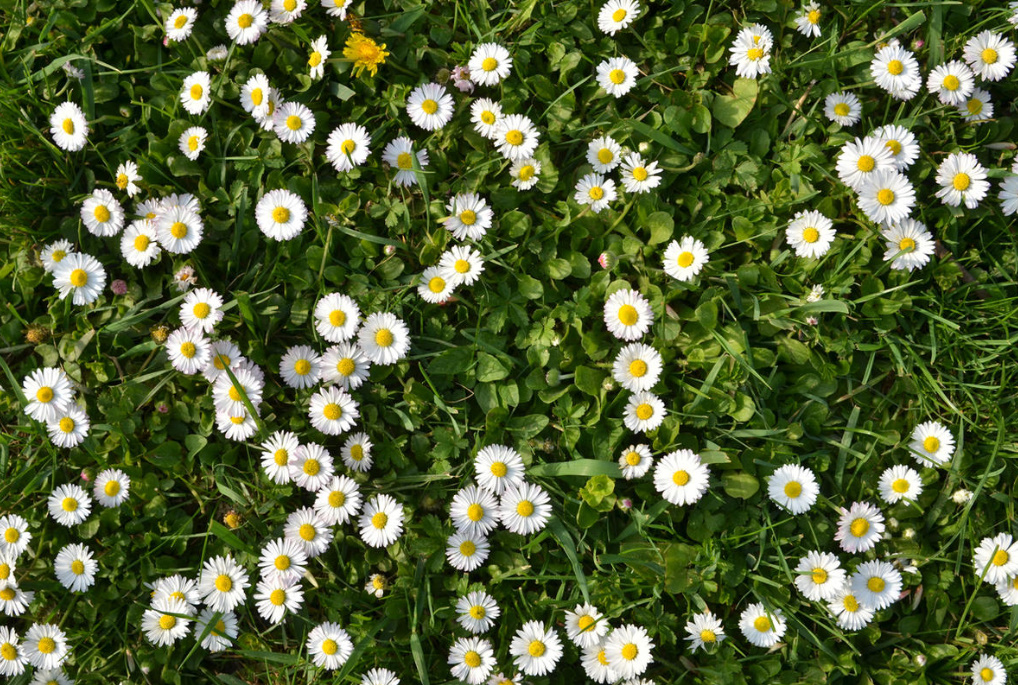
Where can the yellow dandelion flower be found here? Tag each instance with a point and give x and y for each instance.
(365, 53)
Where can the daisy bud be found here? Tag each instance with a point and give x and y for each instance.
(166, 41)
(608, 384)
(980, 638)
(85, 477)
(917, 44)
(390, 250)
(961, 496)
(552, 378)
(625, 503)
(908, 533)
(445, 75)
(119, 287)
(892, 523)
(36, 334)
(812, 320)
(163, 408)
(160, 334)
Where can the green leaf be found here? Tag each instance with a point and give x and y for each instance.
(530, 287)
(577, 467)
(740, 485)
(452, 362)
(732, 110)
(661, 227)
(589, 380)
(489, 368)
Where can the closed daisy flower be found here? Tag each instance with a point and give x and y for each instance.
(12, 654)
(246, 22)
(932, 444)
(192, 142)
(635, 461)
(978, 106)
(526, 173)
(300, 367)
(988, 670)
(293, 122)
(348, 147)
(876, 584)
(281, 214)
(166, 622)
(843, 108)
(68, 127)
(333, 411)
(793, 488)
(637, 367)
(808, 21)
(219, 632)
(14, 535)
(860, 527)
(851, 614)
(474, 510)
(307, 528)
(489, 64)
(276, 453)
(471, 660)
(617, 75)
(310, 467)
(861, 159)
(196, 93)
(595, 191)
(284, 559)
(996, 558)
(498, 468)
(639, 176)
(329, 646)
(139, 245)
(627, 315)
(535, 650)
(201, 310)
(990, 55)
(316, 59)
(179, 230)
(102, 214)
(616, 15)
(75, 568)
(276, 596)
(222, 583)
(525, 509)
(112, 488)
(466, 551)
(49, 393)
(286, 11)
(470, 217)
(704, 629)
(952, 82)
(54, 253)
(345, 365)
(901, 142)
(628, 649)
(681, 477)
(381, 521)
(908, 244)
(338, 501)
(604, 154)
(69, 505)
(684, 259)
(819, 576)
(585, 626)
(398, 153)
(962, 179)
(751, 51)
(13, 600)
(761, 627)
(384, 339)
(899, 483)
(887, 197)
(430, 106)
(896, 70)
(45, 645)
(485, 115)
(180, 23)
(463, 264)
(516, 137)
(69, 428)
(644, 412)
(477, 612)
(337, 317)
(436, 285)
(81, 276)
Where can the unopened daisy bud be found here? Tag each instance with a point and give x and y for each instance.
(961, 496)
(443, 75)
(607, 260)
(553, 377)
(892, 523)
(980, 638)
(163, 408)
(812, 320)
(390, 250)
(608, 384)
(908, 533)
(160, 334)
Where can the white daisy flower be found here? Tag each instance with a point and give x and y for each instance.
(953, 82)
(45, 646)
(639, 176)
(896, 70)
(644, 412)
(681, 477)
(474, 510)
(333, 411)
(398, 153)
(978, 107)
(909, 244)
(617, 75)
(180, 23)
(861, 159)
(254, 96)
(436, 285)
(336, 8)
(596, 191)
(637, 367)
(876, 584)
(75, 568)
(684, 259)
(761, 627)
(177, 588)
(192, 142)
(337, 317)
(293, 122)
(201, 310)
(990, 55)
(338, 501)
(627, 315)
(222, 583)
(349, 147)
(139, 245)
(489, 64)
(69, 428)
(284, 559)
(628, 649)
(384, 339)
(616, 15)
(14, 535)
(751, 51)
(1008, 591)
(127, 174)
(376, 585)
(526, 173)
(12, 655)
(524, 509)
(69, 505)
(819, 576)
(217, 53)
(794, 488)
(860, 527)
(13, 600)
(276, 453)
(281, 214)
(595, 665)
(843, 108)
(851, 614)
(988, 670)
(68, 127)
(585, 626)
(275, 597)
(810, 234)
(604, 154)
(246, 22)
(379, 676)
(962, 179)
(704, 629)
(219, 636)
(238, 426)
(345, 365)
(196, 93)
(635, 461)
(901, 142)
(1009, 192)
(887, 197)
(467, 551)
(166, 622)
(498, 468)
(470, 217)
(8, 564)
(311, 467)
(49, 393)
(463, 264)
(899, 483)
(54, 253)
(286, 11)
(535, 650)
(477, 612)
(516, 137)
(112, 488)
(485, 115)
(329, 646)
(102, 214)
(471, 660)
(430, 106)
(932, 444)
(996, 559)
(266, 116)
(381, 521)
(300, 367)
(306, 528)
(81, 276)
(228, 395)
(808, 21)
(179, 230)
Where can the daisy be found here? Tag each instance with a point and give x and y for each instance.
(81, 276)
(379, 676)
(498, 468)
(276, 453)
(535, 650)
(900, 483)
(477, 612)
(953, 82)
(348, 147)
(310, 467)
(222, 583)
(617, 75)
(345, 365)
(628, 649)
(471, 660)
(127, 174)
(794, 488)
(276, 596)
(896, 70)
(14, 535)
(246, 22)
(430, 106)
(384, 339)
(810, 234)
(75, 568)
(282, 559)
(69, 428)
(1009, 192)
(177, 588)
(684, 259)
(525, 509)
(843, 108)
(585, 626)
(962, 179)
(485, 115)
(102, 214)
(761, 627)
(860, 527)
(474, 510)
(69, 505)
(228, 394)
(596, 191)
(467, 551)
(49, 393)
(266, 116)
(338, 501)
(644, 412)
(12, 656)
(639, 176)
(300, 367)
(637, 367)
(705, 629)
(525, 173)
(306, 528)
(293, 122)
(398, 153)
(876, 584)
(192, 142)
(988, 670)
(616, 15)
(463, 264)
(219, 636)
(238, 426)
(54, 253)
(751, 51)
(489, 64)
(166, 622)
(201, 310)
(333, 411)
(681, 477)
(627, 315)
(381, 521)
(337, 317)
(887, 197)
(1008, 591)
(850, 613)
(281, 214)
(13, 600)
(596, 666)
(68, 127)
(990, 55)
(603, 154)
(111, 488)
(978, 107)
(902, 144)
(470, 217)
(196, 93)
(179, 230)
(808, 22)
(635, 461)
(217, 53)
(45, 645)
(932, 444)
(286, 11)
(861, 159)
(336, 8)
(139, 245)
(516, 137)
(7, 567)
(436, 285)
(180, 23)
(996, 559)
(329, 646)
(376, 585)
(909, 244)
(254, 96)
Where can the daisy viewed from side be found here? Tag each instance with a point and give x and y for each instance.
(317, 57)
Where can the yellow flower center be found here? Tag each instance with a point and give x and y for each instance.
(5, 571)
(819, 576)
(488, 117)
(885, 196)
(122, 181)
(192, 143)
(348, 147)
(281, 456)
(69, 504)
(293, 122)
(859, 527)
(256, 97)
(77, 567)
(281, 214)
(489, 64)
(499, 469)
(974, 106)
(762, 624)
(793, 489)
(951, 82)
(429, 106)
(638, 368)
(224, 583)
(12, 535)
(141, 243)
(78, 278)
(47, 645)
(380, 520)
(986, 674)
(178, 230)
(1001, 557)
(356, 452)
(894, 146)
(617, 76)
(708, 636)
(58, 255)
(302, 367)
(278, 596)
(895, 67)
(384, 337)
(312, 467)
(842, 109)
(167, 622)
(628, 315)
(462, 266)
(989, 55)
(525, 508)
(961, 181)
(640, 173)
(196, 91)
(585, 623)
(307, 532)
(436, 284)
(907, 245)
(44, 394)
(315, 59)
(526, 172)
(404, 160)
(68, 126)
(332, 411)
(468, 217)
(680, 477)
(605, 156)
(633, 458)
(536, 648)
(875, 584)
(865, 163)
(477, 612)
(377, 582)
(236, 420)
(180, 21)
(644, 411)
(811, 235)
(66, 424)
(235, 394)
(245, 20)
(290, 5)
(813, 17)
(472, 658)
(629, 651)
(7, 594)
(330, 647)
(475, 512)
(685, 259)
(514, 137)
(112, 488)
(850, 604)
(596, 193)
(337, 317)
(467, 548)
(201, 311)
(900, 485)
(602, 658)
(337, 498)
(101, 214)
(618, 15)
(931, 443)
(8, 651)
